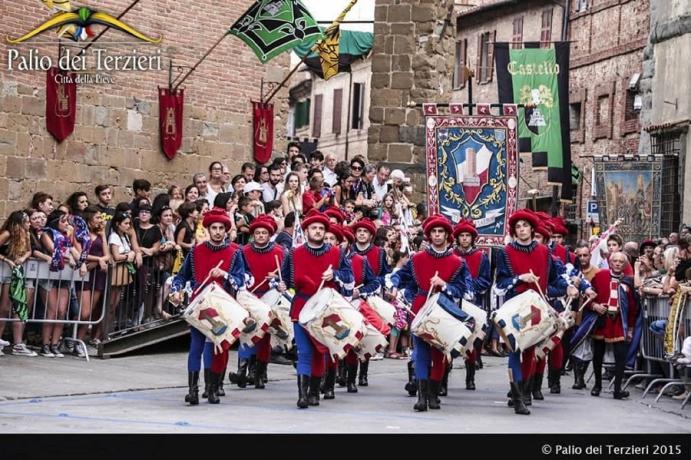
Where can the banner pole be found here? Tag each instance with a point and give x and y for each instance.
(194, 67)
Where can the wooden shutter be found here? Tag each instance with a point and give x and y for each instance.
(517, 37)
(490, 54)
(546, 32)
(317, 124)
(338, 105)
(479, 66)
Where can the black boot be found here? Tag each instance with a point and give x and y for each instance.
(536, 388)
(258, 376)
(193, 383)
(207, 380)
(478, 357)
(578, 375)
(329, 383)
(213, 388)
(303, 389)
(597, 388)
(221, 391)
(341, 376)
(517, 400)
(351, 374)
(240, 379)
(554, 375)
(527, 391)
(470, 377)
(433, 394)
(444, 384)
(411, 386)
(313, 394)
(252, 369)
(618, 392)
(362, 378)
(421, 404)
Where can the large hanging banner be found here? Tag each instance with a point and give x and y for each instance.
(472, 169)
(631, 190)
(538, 78)
(170, 108)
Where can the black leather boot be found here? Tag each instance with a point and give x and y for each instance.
(341, 376)
(554, 375)
(527, 391)
(421, 404)
(597, 388)
(517, 400)
(470, 377)
(411, 386)
(618, 392)
(303, 389)
(207, 380)
(351, 374)
(193, 383)
(313, 392)
(240, 379)
(252, 369)
(536, 388)
(444, 384)
(433, 394)
(258, 376)
(329, 383)
(221, 391)
(362, 378)
(213, 388)
(578, 375)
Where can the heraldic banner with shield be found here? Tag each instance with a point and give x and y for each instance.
(472, 169)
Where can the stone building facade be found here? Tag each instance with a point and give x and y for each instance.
(116, 135)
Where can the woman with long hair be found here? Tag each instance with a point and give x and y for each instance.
(291, 198)
(56, 241)
(15, 248)
(342, 189)
(122, 257)
(184, 232)
(77, 203)
(166, 256)
(191, 193)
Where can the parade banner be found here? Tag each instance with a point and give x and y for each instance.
(472, 169)
(61, 103)
(263, 119)
(631, 190)
(170, 106)
(538, 78)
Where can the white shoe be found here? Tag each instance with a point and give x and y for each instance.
(79, 351)
(56, 351)
(20, 349)
(377, 357)
(4, 343)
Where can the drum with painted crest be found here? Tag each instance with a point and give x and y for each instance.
(372, 343)
(383, 308)
(442, 324)
(525, 320)
(260, 312)
(332, 321)
(480, 317)
(281, 327)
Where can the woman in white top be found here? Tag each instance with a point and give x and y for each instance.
(122, 256)
(291, 198)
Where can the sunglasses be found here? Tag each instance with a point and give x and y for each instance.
(356, 168)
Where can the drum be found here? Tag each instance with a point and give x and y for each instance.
(383, 308)
(216, 315)
(525, 320)
(372, 316)
(441, 323)
(372, 343)
(543, 349)
(281, 328)
(259, 312)
(480, 317)
(332, 321)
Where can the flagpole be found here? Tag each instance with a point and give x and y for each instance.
(194, 67)
(333, 25)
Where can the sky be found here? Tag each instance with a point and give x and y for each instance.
(327, 10)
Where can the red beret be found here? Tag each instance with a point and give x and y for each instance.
(522, 214)
(366, 224)
(337, 231)
(559, 226)
(266, 222)
(315, 217)
(544, 231)
(438, 221)
(465, 225)
(216, 215)
(335, 213)
(348, 234)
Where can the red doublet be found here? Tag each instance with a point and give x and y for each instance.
(472, 259)
(206, 259)
(260, 262)
(559, 250)
(374, 257)
(522, 262)
(612, 327)
(424, 267)
(307, 272)
(358, 263)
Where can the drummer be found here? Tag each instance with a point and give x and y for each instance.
(365, 230)
(263, 259)
(436, 268)
(465, 235)
(521, 265)
(202, 261)
(304, 269)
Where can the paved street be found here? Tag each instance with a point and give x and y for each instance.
(144, 393)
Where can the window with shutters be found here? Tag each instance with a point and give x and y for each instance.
(317, 124)
(302, 114)
(485, 64)
(356, 121)
(337, 111)
(517, 37)
(546, 31)
(460, 64)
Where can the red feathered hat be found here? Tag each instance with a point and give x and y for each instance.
(217, 215)
(315, 217)
(337, 231)
(266, 222)
(335, 213)
(465, 225)
(522, 214)
(366, 224)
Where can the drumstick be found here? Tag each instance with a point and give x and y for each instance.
(321, 285)
(259, 285)
(539, 289)
(585, 303)
(206, 280)
(429, 293)
(278, 266)
(358, 286)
